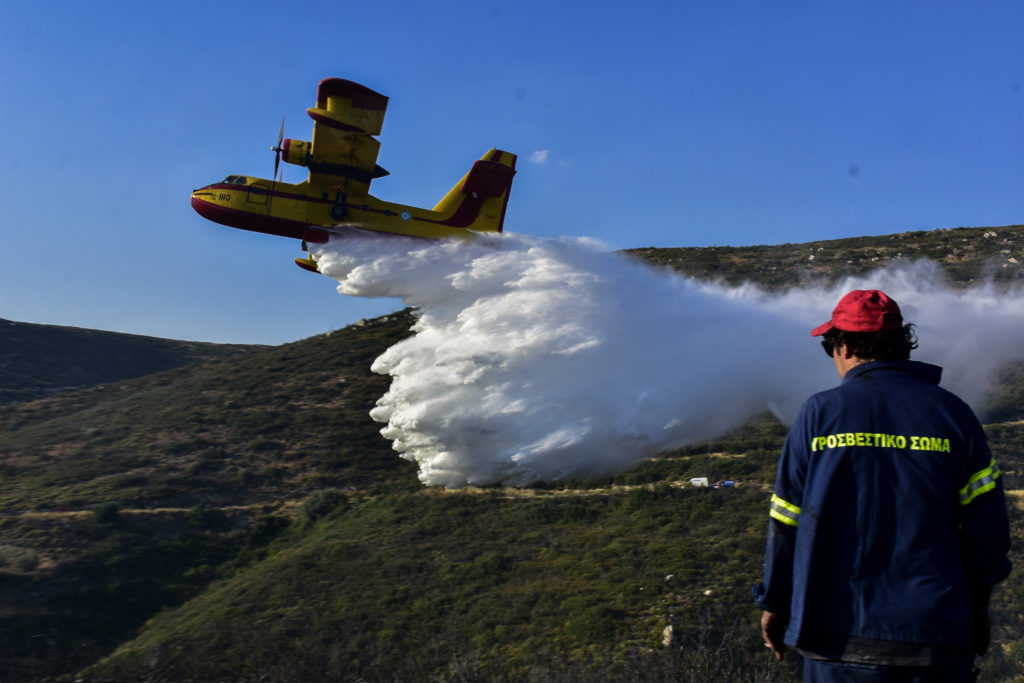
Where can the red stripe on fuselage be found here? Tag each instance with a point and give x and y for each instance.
(245, 220)
(283, 227)
(464, 216)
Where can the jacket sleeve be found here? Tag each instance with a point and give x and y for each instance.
(776, 588)
(775, 591)
(984, 527)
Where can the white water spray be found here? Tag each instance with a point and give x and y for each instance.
(549, 359)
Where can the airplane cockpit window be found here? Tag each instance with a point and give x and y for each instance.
(236, 180)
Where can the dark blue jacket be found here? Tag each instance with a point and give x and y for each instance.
(888, 507)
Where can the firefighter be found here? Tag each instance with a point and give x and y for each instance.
(888, 525)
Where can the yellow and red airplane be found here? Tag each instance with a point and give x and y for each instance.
(335, 199)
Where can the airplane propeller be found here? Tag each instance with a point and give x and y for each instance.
(276, 149)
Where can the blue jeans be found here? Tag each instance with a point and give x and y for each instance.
(827, 671)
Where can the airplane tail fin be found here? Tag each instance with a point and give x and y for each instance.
(478, 201)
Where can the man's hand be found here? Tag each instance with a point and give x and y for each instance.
(773, 628)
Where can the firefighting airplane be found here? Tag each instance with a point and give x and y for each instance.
(335, 199)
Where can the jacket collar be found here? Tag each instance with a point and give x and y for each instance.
(925, 371)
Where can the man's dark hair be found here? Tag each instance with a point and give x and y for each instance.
(882, 345)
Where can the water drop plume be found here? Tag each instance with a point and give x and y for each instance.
(550, 359)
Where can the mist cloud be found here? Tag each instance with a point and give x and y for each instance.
(548, 359)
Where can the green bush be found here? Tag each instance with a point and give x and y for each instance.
(106, 513)
(594, 624)
(322, 503)
(27, 561)
(204, 516)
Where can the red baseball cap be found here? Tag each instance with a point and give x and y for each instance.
(863, 310)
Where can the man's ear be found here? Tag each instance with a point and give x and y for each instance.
(844, 352)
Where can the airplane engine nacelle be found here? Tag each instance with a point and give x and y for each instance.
(295, 152)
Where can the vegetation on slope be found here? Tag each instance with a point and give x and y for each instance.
(405, 586)
(123, 499)
(42, 360)
(276, 422)
(606, 581)
(966, 255)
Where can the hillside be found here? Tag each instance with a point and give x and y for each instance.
(41, 360)
(241, 519)
(119, 500)
(966, 255)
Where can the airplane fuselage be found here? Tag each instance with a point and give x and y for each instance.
(292, 211)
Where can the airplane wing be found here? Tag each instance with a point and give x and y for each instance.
(343, 153)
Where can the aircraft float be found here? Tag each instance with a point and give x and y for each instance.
(335, 200)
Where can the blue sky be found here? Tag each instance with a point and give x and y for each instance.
(639, 124)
